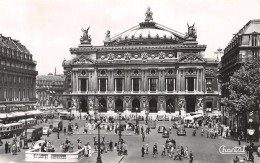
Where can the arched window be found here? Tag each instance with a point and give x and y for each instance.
(135, 104)
(153, 106)
(119, 105)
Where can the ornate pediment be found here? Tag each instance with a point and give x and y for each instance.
(189, 59)
(82, 60)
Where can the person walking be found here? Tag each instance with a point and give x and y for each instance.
(142, 129)
(142, 150)
(143, 136)
(58, 134)
(191, 157)
(111, 145)
(6, 147)
(155, 152)
(64, 130)
(163, 150)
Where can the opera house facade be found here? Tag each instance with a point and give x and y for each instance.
(149, 68)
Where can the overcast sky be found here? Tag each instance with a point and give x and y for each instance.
(49, 28)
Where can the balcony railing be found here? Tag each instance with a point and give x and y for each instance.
(35, 155)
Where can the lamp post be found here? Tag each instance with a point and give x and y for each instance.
(25, 137)
(136, 128)
(120, 133)
(99, 157)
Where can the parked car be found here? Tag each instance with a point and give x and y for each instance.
(166, 134)
(160, 117)
(176, 124)
(152, 124)
(167, 118)
(66, 116)
(161, 129)
(181, 131)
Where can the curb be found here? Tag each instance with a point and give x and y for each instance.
(104, 134)
(121, 159)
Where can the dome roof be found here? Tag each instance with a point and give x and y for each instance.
(147, 32)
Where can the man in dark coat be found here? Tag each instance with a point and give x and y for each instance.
(143, 151)
(143, 136)
(6, 147)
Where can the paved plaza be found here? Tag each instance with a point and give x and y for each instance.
(204, 149)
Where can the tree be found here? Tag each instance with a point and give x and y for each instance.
(244, 88)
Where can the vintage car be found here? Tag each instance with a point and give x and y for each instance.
(152, 124)
(181, 130)
(161, 129)
(166, 134)
(167, 118)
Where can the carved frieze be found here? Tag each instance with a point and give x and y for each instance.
(210, 72)
(81, 60)
(190, 58)
(162, 55)
(111, 56)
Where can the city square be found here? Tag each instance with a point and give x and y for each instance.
(204, 149)
(112, 81)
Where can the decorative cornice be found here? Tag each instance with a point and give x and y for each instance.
(133, 48)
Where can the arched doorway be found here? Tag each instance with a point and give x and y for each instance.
(83, 105)
(135, 104)
(119, 105)
(103, 105)
(191, 102)
(170, 106)
(153, 106)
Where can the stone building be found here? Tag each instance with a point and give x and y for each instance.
(17, 76)
(149, 68)
(244, 45)
(49, 89)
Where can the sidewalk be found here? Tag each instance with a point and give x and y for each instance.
(102, 132)
(109, 157)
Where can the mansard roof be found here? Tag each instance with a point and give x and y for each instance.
(8, 42)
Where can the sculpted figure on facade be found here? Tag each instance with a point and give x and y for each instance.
(91, 103)
(110, 103)
(192, 34)
(181, 103)
(200, 103)
(108, 35)
(85, 38)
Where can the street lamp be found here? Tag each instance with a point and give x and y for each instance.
(99, 157)
(120, 133)
(147, 113)
(25, 138)
(136, 128)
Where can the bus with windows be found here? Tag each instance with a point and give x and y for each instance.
(11, 129)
